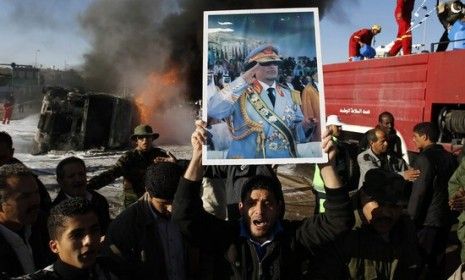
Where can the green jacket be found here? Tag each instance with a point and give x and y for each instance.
(455, 182)
(363, 254)
(369, 256)
(132, 166)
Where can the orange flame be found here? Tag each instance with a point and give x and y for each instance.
(151, 97)
(144, 112)
(159, 102)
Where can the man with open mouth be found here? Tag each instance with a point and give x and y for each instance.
(75, 237)
(262, 245)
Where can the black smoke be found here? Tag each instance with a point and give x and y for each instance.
(132, 38)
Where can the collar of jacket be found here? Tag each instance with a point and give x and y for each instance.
(432, 147)
(378, 157)
(371, 153)
(257, 87)
(70, 272)
(150, 216)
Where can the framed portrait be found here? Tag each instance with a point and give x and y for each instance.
(263, 93)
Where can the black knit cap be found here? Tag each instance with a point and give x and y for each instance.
(383, 186)
(161, 180)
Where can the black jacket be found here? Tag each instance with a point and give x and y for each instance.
(285, 254)
(133, 247)
(63, 271)
(428, 204)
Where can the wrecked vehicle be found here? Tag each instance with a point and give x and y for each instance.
(72, 120)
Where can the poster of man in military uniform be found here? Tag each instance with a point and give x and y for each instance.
(253, 116)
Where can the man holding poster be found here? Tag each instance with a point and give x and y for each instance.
(265, 117)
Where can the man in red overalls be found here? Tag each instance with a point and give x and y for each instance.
(360, 38)
(7, 110)
(403, 14)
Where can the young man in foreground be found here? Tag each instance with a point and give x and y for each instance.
(75, 237)
(261, 245)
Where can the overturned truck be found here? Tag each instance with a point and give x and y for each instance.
(72, 120)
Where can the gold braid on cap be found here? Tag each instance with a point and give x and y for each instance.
(267, 53)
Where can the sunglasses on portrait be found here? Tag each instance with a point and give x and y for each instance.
(269, 63)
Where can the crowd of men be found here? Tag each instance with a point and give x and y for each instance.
(376, 217)
(394, 224)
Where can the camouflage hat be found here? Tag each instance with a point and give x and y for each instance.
(266, 53)
(144, 130)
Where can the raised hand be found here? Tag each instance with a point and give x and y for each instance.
(249, 75)
(327, 170)
(411, 174)
(169, 158)
(198, 138)
(457, 201)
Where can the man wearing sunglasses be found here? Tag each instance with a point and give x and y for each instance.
(133, 164)
(265, 117)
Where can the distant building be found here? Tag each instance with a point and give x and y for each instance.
(20, 81)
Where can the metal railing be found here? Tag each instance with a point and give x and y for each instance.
(443, 42)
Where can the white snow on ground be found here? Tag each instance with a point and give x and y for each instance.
(23, 131)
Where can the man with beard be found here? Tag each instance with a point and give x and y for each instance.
(262, 245)
(266, 119)
(132, 165)
(71, 176)
(75, 237)
(23, 238)
(428, 205)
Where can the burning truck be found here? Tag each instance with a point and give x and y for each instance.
(74, 120)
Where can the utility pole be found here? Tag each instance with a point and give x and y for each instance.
(13, 66)
(35, 61)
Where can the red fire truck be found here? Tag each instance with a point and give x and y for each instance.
(414, 88)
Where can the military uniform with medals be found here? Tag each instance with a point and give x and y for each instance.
(260, 129)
